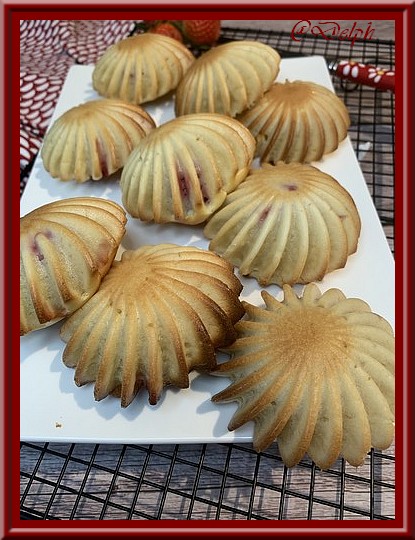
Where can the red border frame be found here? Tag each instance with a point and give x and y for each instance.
(12, 12)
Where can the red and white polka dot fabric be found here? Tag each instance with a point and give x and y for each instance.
(48, 48)
(89, 40)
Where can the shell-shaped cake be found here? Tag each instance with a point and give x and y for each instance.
(94, 139)
(66, 247)
(228, 79)
(316, 374)
(297, 121)
(182, 171)
(288, 223)
(141, 68)
(158, 314)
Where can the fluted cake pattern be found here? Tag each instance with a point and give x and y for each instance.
(314, 373)
(158, 314)
(228, 79)
(297, 122)
(66, 247)
(94, 139)
(141, 68)
(288, 223)
(183, 170)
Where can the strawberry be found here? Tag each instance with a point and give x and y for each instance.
(202, 32)
(148, 23)
(167, 29)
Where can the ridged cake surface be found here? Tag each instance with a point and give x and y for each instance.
(183, 170)
(316, 374)
(66, 247)
(297, 122)
(228, 79)
(94, 139)
(141, 68)
(158, 314)
(288, 223)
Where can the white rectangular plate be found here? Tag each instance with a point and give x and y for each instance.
(54, 409)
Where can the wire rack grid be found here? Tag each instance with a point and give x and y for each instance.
(231, 481)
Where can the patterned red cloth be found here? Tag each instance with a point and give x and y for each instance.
(47, 50)
(89, 40)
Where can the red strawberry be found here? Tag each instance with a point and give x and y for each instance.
(202, 32)
(167, 29)
(150, 22)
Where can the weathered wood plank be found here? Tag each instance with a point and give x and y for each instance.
(196, 482)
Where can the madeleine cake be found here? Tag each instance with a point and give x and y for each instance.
(297, 122)
(158, 314)
(288, 223)
(94, 139)
(316, 374)
(66, 247)
(228, 79)
(182, 171)
(141, 68)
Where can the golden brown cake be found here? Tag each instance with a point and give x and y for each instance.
(158, 314)
(314, 373)
(297, 121)
(182, 171)
(228, 79)
(289, 223)
(94, 139)
(66, 247)
(141, 68)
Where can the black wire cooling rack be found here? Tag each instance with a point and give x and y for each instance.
(231, 481)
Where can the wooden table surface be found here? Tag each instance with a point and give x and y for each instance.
(82, 481)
